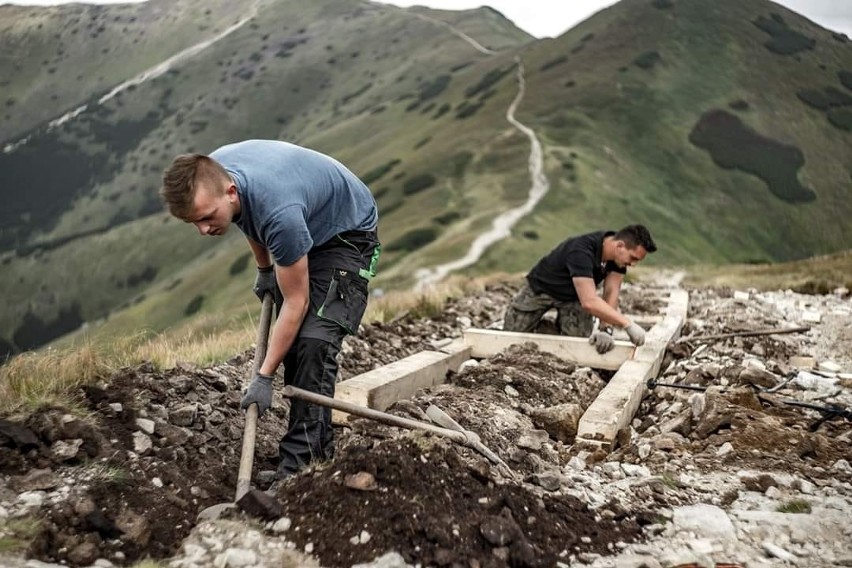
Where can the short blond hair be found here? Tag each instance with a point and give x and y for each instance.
(181, 179)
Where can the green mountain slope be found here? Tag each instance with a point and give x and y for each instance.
(723, 126)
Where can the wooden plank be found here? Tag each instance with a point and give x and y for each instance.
(489, 342)
(618, 402)
(381, 387)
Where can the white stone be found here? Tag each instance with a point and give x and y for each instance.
(644, 451)
(282, 525)
(741, 296)
(469, 364)
(103, 563)
(724, 449)
(777, 552)
(806, 487)
(511, 391)
(145, 425)
(773, 492)
(811, 316)
(235, 558)
(754, 364)
(141, 443)
(365, 537)
(634, 470)
(32, 499)
(116, 407)
(389, 560)
(66, 450)
(4, 513)
(156, 482)
(829, 366)
(577, 463)
(354, 541)
(842, 465)
(703, 520)
(309, 548)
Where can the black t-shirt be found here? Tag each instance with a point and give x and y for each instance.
(577, 256)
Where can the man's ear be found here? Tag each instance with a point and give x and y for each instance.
(231, 192)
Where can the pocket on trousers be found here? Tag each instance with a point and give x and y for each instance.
(345, 301)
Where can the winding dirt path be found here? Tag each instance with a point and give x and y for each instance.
(148, 74)
(502, 225)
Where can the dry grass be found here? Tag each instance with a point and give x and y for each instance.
(817, 275)
(429, 302)
(16, 534)
(46, 378)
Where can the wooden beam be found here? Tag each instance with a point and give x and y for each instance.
(488, 342)
(381, 387)
(618, 402)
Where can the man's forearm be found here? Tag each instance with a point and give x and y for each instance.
(283, 335)
(602, 310)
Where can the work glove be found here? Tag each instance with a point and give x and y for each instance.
(265, 282)
(635, 333)
(602, 341)
(260, 392)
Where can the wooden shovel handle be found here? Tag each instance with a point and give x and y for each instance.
(250, 429)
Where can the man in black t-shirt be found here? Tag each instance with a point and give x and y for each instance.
(567, 279)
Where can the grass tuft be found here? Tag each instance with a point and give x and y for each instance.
(16, 534)
(794, 506)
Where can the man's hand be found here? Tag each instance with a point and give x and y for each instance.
(635, 333)
(265, 282)
(260, 392)
(602, 341)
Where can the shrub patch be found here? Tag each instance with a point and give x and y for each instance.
(647, 60)
(845, 78)
(733, 145)
(378, 173)
(784, 40)
(841, 118)
(488, 80)
(553, 63)
(413, 240)
(418, 183)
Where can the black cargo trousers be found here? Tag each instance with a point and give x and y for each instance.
(339, 272)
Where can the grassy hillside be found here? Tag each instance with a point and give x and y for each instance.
(722, 126)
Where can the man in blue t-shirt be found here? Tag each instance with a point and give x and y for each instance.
(311, 225)
(567, 279)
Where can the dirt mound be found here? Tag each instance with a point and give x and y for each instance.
(426, 504)
(155, 448)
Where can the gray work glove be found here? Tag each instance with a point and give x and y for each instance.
(264, 282)
(260, 392)
(602, 341)
(635, 333)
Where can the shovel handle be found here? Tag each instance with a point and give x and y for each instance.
(250, 429)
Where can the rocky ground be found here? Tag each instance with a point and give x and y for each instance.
(731, 473)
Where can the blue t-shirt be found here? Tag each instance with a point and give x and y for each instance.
(292, 198)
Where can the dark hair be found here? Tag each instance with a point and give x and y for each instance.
(634, 235)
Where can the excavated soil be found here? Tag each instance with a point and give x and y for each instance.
(156, 448)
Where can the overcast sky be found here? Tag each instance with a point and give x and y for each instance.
(549, 18)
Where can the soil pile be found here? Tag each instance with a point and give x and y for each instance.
(700, 475)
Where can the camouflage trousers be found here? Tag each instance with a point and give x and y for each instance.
(527, 309)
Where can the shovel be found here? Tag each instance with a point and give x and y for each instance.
(447, 427)
(250, 429)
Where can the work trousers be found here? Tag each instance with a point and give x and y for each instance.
(527, 308)
(339, 272)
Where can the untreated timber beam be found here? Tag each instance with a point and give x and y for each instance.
(488, 342)
(617, 403)
(401, 379)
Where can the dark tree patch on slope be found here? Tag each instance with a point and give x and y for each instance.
(194, 305)
(845, 78)
(379, 172)
(418, 183)
(553, 63)
(825, 99)
(34, 332)
(647, 60)
(488, 80)
(784, 40)
(841, 118)
(739, 104)
(414, 239)
(240, 264)
(735, 146)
